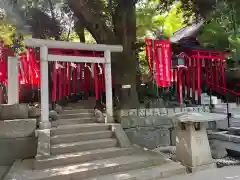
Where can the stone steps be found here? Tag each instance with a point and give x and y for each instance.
(94, 168)
(76, 115)
(77, 111)
(234, 130)
(151, 173)
(62, 122)
(80, 149)
(83, 146)
(84, 156)
(71, 129)
(70, 138)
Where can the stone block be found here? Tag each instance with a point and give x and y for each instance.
(148, 121)
(17, 128)
(178, 110)
(206, 109)
(214, 100)
(149, 112)
(219, 110)
(125, 122)
(34, 112)
(133, 112)
(163, 137)
(234, 130)
(205, 100)
(162, 121)
(149, 137)
(170, 111)
(130, 122)
(142, 112)
(217, 149)
(13, 111)
(121, 136)
(43, 147)
(123, 112)
(222, 124)
(173, 137)
(3, 171)
(211, 126)
(12, 149)
(157, 112)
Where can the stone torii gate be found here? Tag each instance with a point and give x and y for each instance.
(44, 46)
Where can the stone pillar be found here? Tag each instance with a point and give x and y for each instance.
(192, 145)
(44, 147)
(44, 124)
(13, 83)
(108, 85)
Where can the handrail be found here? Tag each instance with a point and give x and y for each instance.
(237, 95)
(224, 89)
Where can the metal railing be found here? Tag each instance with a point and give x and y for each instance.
(227, 93)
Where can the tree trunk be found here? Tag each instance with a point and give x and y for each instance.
(124, 33)
(79, 28)
(124, 69)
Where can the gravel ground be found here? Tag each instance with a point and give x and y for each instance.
(227, 161)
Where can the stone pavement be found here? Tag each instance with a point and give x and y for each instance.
(225, 173)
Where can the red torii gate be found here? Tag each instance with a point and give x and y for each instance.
(29, 72)
(200, 67)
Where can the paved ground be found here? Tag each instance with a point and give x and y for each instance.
(226, 173)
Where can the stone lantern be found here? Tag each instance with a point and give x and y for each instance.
(192, 145)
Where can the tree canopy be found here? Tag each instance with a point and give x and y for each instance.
(124, 22)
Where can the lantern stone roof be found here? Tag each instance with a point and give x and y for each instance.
(198, 117)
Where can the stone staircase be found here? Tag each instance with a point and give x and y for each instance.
(82, 149)
(227, 137)
(220, 107)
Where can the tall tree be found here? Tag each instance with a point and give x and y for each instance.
(109, 22)
(115, 25)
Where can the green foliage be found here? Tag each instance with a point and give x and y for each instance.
(213, 35)
(6, 32)
(173, 21)
(150, 19)
(224, 26)
(146, 11)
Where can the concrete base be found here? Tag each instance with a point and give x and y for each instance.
(122, 138)
(3, 171)
(201, 168)
(228, 141)
(17, 140)
(109, 119)
(17, 148)
(17, 128)
(45, 125)
(44, 139)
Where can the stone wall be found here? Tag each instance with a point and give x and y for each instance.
(152, 128)
(17, 140)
